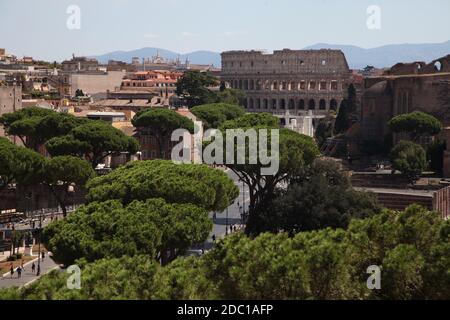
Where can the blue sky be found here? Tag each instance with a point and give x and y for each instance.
(38, 28)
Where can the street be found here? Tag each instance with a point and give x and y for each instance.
(234, 214)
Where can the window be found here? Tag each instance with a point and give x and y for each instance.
(323, 85)
(334, 85)
(302, 85)
(312, 85)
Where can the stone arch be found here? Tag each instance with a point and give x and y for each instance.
(258, 103)
(438, 66)
(291, 104)
(266, 104)
(301, 104)
(252, 85)
(240, 84)
(245, 84)
(333, 104)
(312, 104)
(274, 103)
(245, 103)
(282, 103)
(250, 103)
(322, 104)
(258, 85)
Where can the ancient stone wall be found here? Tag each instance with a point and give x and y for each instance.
(288, 80)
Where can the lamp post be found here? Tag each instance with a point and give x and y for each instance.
(39, 246)
(226, 231)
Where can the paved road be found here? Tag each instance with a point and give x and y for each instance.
(234, 215)
(47, 265)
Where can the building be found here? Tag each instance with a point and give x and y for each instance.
(161, 82)
(403, 89)
(446, 163)
(298, 81)
(80, 64)
(10, 101)
(296, 85)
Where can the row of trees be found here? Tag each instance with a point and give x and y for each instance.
(410, 248)
(409, 157)
(198, 88)
(64, 134)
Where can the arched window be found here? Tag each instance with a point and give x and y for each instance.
(245, 84)
(291, 104)
(322, 104)
(274, 103)
(252, 85)
(266, 104)
(258, 103)
(312, 104)
(282, 104)
(301, 104)
(250, 103)
(333, 104)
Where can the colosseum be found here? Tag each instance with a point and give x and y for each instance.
(288, 82)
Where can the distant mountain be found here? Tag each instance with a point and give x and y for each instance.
(387, 56)
(196, 57)
(357, 57)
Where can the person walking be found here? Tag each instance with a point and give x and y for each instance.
(43, 255)
(19, 272)
(38, 270)
(11, 270)
(213, 238)
(33, 268)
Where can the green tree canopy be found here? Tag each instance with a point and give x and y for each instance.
(94, 140)
(214, 115)
(295, 151)
(410, 159)
(345, 117)
(416, 124)
(411, 248)
(61, 172)
(36, 125)
(185, 183)
(19, 165)
(160, 123)
(194, 86)
(111, 230)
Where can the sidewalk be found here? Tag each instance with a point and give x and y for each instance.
(47, 265)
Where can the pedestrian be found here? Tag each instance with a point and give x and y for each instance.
(33, 268)
(19, 272)
(43, 255)
(214, 238)
(38, 270)
(231, 229)
(11, 270)
(22, 266)
(214, 216)
(234, 228)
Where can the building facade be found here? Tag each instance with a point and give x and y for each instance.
(10, 101)
(294, 82)
(403, 89)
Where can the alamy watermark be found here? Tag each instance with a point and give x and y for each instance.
(374, 20)
(74, 280)
(235, 147)
(374, 281)
(74, 20)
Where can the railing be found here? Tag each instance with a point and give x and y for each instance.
(50, 211)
